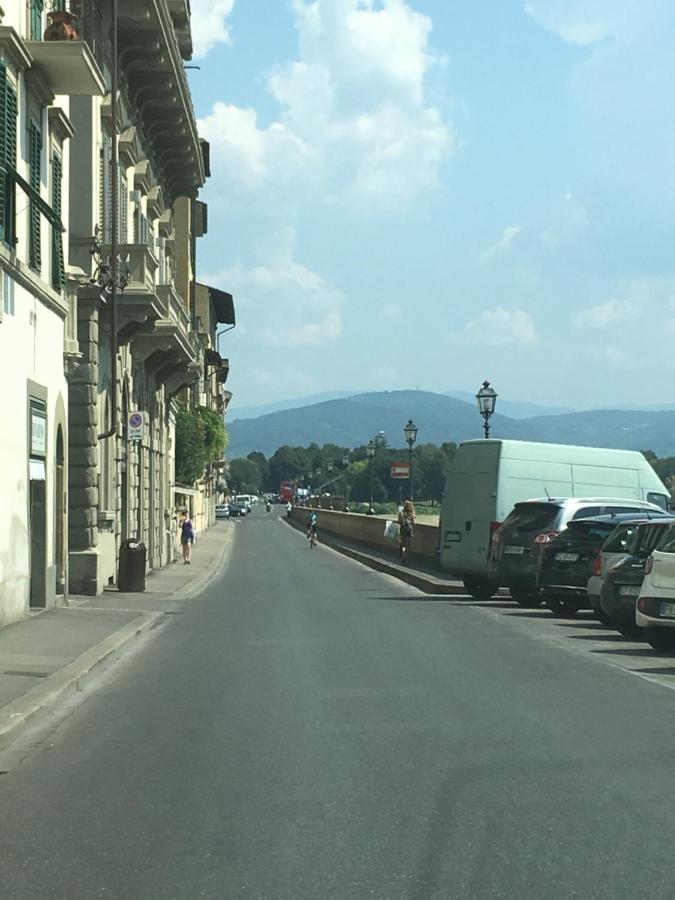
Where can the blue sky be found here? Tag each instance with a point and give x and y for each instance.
(433, 192)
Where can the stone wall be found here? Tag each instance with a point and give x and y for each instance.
(370, 530)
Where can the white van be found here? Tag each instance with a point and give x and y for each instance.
(246, 500)
(487, 478)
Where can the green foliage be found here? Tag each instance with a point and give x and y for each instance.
(215, 436)
(191, 452)
(244, 477)
(200, 440)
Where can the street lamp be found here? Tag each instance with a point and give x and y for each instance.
(410, 432)
(370, 450)
(486, 398)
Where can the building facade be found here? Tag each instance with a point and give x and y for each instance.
(37, 341)
(102, 323)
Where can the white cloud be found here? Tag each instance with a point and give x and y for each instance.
(209, 24)
(580, 21)
(501, 327)
(353, 119)
(503, 245)
(296, 307)
(606, 314)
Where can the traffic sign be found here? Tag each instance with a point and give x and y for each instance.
(136, 422)
(400, 470)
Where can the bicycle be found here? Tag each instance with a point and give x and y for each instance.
(312, 537)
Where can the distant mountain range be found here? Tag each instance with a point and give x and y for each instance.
(353, 420)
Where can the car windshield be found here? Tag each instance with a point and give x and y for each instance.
(595, 533)
(533, 517)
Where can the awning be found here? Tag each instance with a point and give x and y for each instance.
(188, 492)
(212, 358)
(223, 306)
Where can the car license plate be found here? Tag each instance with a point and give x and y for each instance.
(629, 590)
(667, 610)
(514, 551)
(567, 557)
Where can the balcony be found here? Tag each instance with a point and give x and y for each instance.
(179, 10)
(67, 65)
(139, 305)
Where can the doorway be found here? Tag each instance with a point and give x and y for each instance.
(38, 543)
(60, 515)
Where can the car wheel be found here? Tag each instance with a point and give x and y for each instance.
(601, 616)
(480, 588)
(526, 598)
(564, 609)
(661, 639)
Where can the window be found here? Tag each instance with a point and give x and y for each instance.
(659, 499)
(34, 220)
(122, 208)
(58, 265)
(667, 542)
(620, 540)
(8, 112)
(587, 511)
(35, 9)
(533, 516)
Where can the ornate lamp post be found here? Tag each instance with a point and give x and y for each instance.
(410, 432)
(486, 398)
(370, 450)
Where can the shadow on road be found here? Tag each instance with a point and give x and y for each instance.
(619, 638)
(664, 670)
(628, 651)
(596, 626)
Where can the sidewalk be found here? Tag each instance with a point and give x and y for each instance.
(47, 654)
(417, 572)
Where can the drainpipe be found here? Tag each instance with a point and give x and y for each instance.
(114, 214)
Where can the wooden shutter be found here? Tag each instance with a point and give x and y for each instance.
(58, 263)
(123, 207)
(105, 197)
(36, 8)
(35, 223)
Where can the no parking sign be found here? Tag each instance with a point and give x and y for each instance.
(136, 425)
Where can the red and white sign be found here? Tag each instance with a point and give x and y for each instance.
(400, 470)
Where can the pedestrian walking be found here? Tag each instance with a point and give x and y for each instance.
(406, 526)
(187, 538)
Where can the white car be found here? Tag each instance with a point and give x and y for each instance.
(222, 511)
(655, 608)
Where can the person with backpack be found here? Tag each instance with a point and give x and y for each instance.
(187, 538)
(406, 525)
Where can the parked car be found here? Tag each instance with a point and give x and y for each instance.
(622, 583)
(487, 478)
(655, 608)
(222, 511)
(615, 548)
(519, 543)
(238, 509)
(567, 561)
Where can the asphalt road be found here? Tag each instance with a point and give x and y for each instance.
(309, 728)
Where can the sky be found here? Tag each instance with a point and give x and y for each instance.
(430, 193)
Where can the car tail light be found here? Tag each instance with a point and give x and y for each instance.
(495, 537)
(546, 537)
(649, 565)
(597, 565)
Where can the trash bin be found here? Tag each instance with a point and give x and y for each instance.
(131, 573)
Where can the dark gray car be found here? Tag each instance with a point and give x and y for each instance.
(526, 531)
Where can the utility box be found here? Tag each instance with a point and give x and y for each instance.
(131, 573)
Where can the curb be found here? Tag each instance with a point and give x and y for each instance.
(424, 583)
(19, 711)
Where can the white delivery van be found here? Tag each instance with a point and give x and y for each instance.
(487, 478)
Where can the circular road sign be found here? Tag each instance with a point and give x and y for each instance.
(136, 420)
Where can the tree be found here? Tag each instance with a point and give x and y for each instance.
(261, 462)
(244, 477)
(191, 452)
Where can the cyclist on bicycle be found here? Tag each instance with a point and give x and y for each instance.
(311, 521)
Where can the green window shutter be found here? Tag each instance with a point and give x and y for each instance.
(36, 8)
(35, 222)
(8, 113)
(58, 263)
